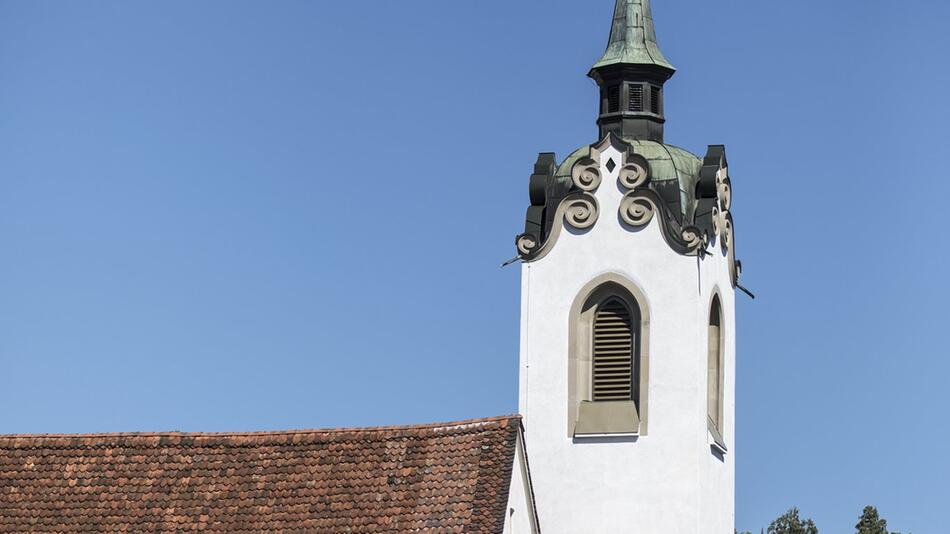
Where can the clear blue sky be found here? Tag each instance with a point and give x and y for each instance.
(233, 215)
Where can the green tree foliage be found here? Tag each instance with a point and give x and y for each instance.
(871, 522)
(791, 523)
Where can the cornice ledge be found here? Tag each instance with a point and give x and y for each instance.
(579, 209)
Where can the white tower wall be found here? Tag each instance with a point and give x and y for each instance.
(667, 480)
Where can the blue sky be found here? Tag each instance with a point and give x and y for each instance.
(233, 215)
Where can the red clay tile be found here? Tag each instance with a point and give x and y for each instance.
(447, 478)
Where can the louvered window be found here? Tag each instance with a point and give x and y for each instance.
(714, 367)
(613, 99)
(613, 378)
(655, 105)
(636, 98)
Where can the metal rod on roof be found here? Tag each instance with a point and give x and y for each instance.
(746, 291)
(509, 262)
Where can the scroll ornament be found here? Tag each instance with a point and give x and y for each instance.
(586, 173)
(527, 244)
(722, 221)
(635, 173)
(581, 209)
(640, 205)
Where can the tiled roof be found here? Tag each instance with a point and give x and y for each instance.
(448, 478)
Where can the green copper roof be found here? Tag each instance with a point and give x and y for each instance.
(667, 163)
(633, 37)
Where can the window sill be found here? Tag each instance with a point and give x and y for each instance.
(607, 419)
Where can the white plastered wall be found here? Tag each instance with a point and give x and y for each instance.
(520, 515)
(667, 481)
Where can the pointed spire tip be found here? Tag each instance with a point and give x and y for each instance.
(633, 37)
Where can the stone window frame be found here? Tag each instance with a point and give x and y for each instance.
(586, 418)
(716, 427)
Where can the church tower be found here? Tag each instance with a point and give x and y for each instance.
(627, 370)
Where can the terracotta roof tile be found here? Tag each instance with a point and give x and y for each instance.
(448, 478)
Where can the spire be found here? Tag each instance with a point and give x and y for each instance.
(631, 75)
(633, 37)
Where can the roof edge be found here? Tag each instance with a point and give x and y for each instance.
(523, 445)
(506, 419)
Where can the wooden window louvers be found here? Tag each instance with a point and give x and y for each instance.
(613, 99)
(655, 106)
(613, 352)
(636, 97)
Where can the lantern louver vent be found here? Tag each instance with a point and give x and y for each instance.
(613, 353)
(613, 99)
(655, 105)
(636, 98)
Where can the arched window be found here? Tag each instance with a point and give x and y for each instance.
(608, 360)
(714, 390)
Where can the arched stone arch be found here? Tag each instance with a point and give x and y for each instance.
(607, 418)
